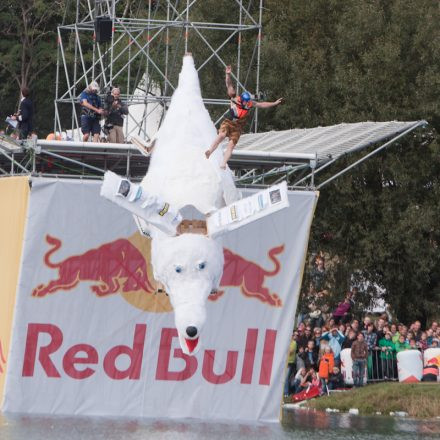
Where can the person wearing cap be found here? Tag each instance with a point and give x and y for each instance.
(91, 111)
(233, 124)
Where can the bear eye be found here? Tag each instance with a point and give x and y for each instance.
(202, 265)
(178, 269)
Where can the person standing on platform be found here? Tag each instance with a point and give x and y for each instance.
(25, 115)
(233, 124)
(91, 111)
(116, 110)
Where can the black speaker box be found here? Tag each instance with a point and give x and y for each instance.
(103, 29)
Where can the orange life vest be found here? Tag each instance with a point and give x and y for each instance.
(239, 109)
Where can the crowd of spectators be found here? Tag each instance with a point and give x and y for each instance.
(314, 352)
(321, 335)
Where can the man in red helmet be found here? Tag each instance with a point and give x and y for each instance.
(233, 124)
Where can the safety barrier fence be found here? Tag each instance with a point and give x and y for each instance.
(381, 366)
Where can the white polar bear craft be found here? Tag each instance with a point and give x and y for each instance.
(190, 266)
(181, 184)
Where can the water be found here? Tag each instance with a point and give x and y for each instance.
(296, 425)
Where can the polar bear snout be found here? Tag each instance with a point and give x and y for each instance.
(191, 331)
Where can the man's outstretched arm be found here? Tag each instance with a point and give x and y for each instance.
(229, 86)
(268, 104)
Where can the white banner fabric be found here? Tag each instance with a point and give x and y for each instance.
(92, 335)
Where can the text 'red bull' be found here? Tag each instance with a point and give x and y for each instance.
(82, 355)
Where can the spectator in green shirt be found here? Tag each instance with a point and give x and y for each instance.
(394, 333)
(401, 344)
(387, 356)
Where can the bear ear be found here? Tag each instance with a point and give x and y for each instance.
(247, 210)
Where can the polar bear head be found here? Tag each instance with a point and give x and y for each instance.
(190, 267)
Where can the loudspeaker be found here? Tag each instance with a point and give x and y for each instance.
(103, 29)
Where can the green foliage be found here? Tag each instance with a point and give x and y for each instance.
(381, 220)
(348, 61)
(28, 53)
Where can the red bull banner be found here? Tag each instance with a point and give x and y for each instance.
(14, 193)
(94, 333)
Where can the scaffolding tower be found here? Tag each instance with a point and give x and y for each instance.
(142, 56)
(144, 52)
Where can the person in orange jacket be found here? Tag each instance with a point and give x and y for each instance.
(326, 365)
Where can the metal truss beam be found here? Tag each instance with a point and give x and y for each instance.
(88, 159)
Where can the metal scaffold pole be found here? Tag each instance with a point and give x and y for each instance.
(259, 37)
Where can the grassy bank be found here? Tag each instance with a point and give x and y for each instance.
(418, 400)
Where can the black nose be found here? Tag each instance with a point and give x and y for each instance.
(191, 331)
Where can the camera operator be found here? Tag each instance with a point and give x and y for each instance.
(91, 111)
(115, 111)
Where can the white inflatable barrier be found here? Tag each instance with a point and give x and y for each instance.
(347, 367)
(410, 366)
(431, 356)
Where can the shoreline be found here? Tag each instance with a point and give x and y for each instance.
(420, 401)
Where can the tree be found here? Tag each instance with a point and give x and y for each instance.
(353, 61)
(28, 48)
(28, 37)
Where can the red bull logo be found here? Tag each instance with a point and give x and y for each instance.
(112, 267)
(250, 277)
(123, 266)
(118, 267)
